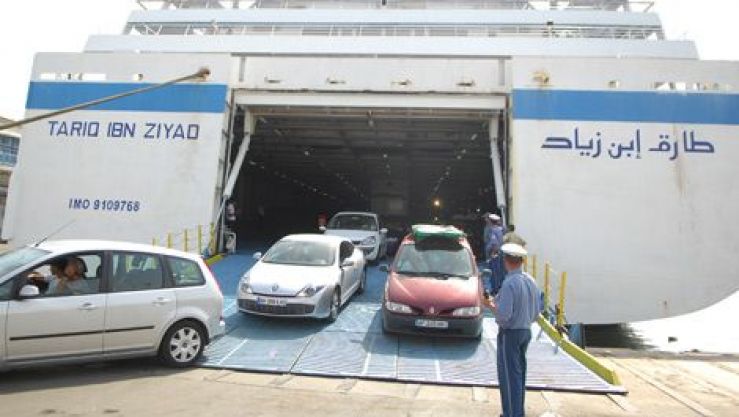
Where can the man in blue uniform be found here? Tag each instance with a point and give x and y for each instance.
(497, 273)
(516, 306)
(493, 256)
(487, 236)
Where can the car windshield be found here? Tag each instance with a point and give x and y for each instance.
(353, 222)
(16, 258)
(435, 258)
(295, 252)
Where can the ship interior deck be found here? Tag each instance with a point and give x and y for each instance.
(410, 166)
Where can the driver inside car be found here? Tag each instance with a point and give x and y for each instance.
(56, 272)
(71, 281)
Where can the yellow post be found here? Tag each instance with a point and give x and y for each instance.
(185, 242)
(546, 287)
(153, 241)
(533, 266)
(211, 239)
(200, 239)
(561, 305)
(169, 240)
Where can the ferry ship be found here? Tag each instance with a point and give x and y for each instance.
(610, 147)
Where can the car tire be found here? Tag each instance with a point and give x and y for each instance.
(183, 344)
(333, 312)
(362, 281)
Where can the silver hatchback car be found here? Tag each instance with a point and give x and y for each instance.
(84, 300)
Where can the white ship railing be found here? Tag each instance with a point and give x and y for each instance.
(496, 30)
(615, 5)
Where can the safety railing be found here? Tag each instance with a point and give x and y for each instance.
(616, 5)
(551, 278)
(553, 320)
(199, 239)
(637, 32)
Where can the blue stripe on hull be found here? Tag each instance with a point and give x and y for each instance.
(626, 106)
(187, 98)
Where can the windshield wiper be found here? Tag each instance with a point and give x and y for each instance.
(437, 275)
(410, 273)
(445, 275)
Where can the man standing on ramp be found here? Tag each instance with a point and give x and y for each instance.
(516, 307)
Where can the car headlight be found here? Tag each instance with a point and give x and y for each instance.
(466, 311)
(310, 290)
(245, 286)
(369, 240)
(398, 308)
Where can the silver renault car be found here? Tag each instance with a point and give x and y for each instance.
(303, 276)
(84, 300)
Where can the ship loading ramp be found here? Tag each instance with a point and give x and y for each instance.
(355, 346)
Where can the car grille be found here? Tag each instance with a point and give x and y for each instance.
(290, 309)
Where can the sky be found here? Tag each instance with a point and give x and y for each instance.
(28, 27)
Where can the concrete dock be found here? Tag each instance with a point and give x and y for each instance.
(659, 385)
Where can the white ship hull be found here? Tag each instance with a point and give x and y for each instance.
(643, 236)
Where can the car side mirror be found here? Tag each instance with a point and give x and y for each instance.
(383, 231)
(384, 268)
(322, 228)
(347, 263)
(29, 291)
(487, 273)
(257, 256)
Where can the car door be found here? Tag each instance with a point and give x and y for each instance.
(58, 325)
(6, 290)
(348, 252)
(140, 305)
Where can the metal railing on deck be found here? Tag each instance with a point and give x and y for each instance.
(553, 320)
(639, 32)
(556, 312)
(199, 239)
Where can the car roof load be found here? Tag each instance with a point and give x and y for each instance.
(423, 231)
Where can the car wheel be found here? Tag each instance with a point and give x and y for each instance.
(362, 281)
(335, 307)
(182, 345)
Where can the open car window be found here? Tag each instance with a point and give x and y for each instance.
(70, 274)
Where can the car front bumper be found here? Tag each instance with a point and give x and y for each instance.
(406, 323)
(317, 306)
(370, 252)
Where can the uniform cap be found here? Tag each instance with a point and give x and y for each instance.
(493, 217)
(514, 249)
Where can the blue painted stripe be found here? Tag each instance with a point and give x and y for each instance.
(624, 106)
(190, 98)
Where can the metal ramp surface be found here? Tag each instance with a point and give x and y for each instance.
(355, 346)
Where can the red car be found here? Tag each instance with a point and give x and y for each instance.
(433, 287)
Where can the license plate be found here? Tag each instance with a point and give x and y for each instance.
(269, 301)
(434, 324)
